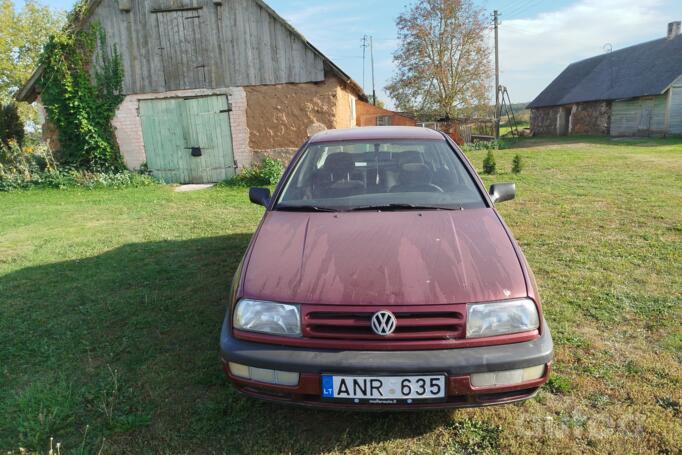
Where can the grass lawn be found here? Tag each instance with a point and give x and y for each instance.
(111, 303)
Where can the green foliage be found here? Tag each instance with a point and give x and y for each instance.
(23, 33)
(485, 146)
(35, 167)
(517, 164)
(11, 126)
(559, 384)
(42, 410)
(82, 110)
(473, 436)
(431, 76)
(266, 173)
(489, 163)
(19, 166)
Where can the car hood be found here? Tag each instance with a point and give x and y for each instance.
(383, 258)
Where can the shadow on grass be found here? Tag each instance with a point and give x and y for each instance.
(125, 344)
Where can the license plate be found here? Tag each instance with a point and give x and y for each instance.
(384, 389)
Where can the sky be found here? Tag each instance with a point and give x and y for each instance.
(538, 38)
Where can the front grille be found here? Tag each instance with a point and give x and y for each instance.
(413, 323)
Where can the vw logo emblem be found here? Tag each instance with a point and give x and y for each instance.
(384, 323)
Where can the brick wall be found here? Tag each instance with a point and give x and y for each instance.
(368, 115)
(128, 127)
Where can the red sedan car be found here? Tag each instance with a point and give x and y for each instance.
(381, 276)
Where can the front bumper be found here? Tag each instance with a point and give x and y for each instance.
(458, 364)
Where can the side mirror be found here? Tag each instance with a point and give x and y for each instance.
(260, 196)
(501, 192)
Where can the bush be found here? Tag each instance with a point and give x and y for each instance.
(517, 164)
(266, 173)
(11, 126)
(35, 167)
(489, 164)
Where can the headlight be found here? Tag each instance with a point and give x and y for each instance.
(501, 318)
(267, 317)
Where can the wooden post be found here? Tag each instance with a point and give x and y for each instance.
(496, 16)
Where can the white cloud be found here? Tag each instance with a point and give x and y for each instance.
(535, 50)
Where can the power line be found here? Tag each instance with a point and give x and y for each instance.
(513, 5)
(530, 5)
(518, 7)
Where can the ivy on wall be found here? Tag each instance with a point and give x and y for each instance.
(81, 90)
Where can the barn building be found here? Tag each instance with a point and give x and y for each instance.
(636, 91)
(213, 85)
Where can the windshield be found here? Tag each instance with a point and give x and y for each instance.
(384, 175)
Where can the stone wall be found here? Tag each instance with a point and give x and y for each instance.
(591, 118)
(584, 118)
(543, 121)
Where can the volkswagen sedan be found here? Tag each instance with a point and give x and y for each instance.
(382, 276)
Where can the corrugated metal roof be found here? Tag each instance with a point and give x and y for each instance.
(642, 70)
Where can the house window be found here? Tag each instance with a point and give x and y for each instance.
(384, 120)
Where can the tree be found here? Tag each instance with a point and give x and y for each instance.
(380, 104)
(517, 164)
(443, 61)
(22, 37)
(11, 126)
(489, 163)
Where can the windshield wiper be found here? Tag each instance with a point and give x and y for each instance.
(304, 208)
(397, 207)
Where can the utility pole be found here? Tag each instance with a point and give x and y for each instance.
(496, 18)
(374, 91)
(364, 59)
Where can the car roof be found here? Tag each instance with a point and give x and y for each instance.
(378, 133)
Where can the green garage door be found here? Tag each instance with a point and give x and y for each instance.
(188, 140)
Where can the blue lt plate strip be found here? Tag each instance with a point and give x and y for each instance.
(328, 386)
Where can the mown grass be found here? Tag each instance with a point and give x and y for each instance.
(111, 303)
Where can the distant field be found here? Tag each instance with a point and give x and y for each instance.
(112, 301)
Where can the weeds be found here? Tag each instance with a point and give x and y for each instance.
(670, 404)
(36, 167)
(484, 146)
(266, 173)
(559, 384)
(43, 409)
